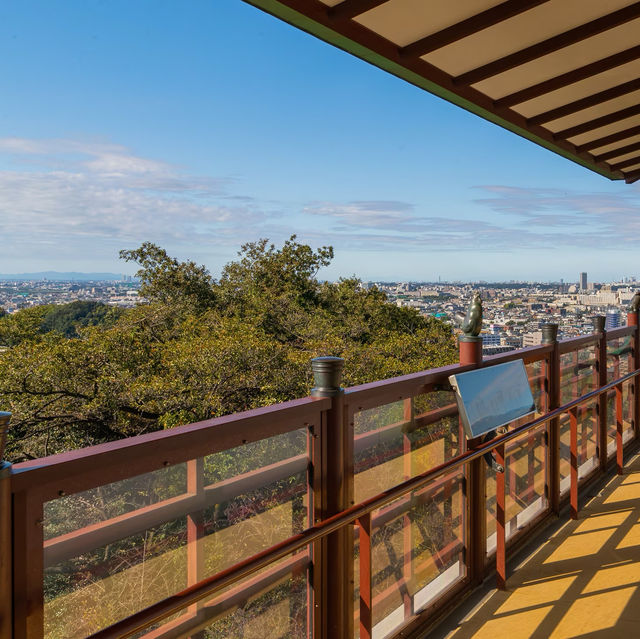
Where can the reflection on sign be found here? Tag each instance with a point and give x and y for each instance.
(492, 397)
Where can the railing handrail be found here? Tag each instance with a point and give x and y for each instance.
(238, 571)
(111, 461)
(85, 468)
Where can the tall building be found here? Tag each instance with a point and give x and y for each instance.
(583, 281)
(613, 319)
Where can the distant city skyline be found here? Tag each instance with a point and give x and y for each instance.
(112, 137)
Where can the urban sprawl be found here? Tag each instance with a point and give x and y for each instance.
(513, 312)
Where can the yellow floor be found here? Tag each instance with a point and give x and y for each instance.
(583, 582)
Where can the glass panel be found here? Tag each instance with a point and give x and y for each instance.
(272, 603)
(578, 377)
(525, 495)
(537, 374)
(417, 552)
(399, 440)
(171, 528)
(627, 411)
(71, 513)
(619, 363)
(279, 613)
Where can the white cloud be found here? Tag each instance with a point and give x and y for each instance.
(66, 194)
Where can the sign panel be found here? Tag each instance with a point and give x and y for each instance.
(492, 397)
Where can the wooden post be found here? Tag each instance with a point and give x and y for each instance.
(619, 451)
(501, 559)
(632, 320)
(366, 595)
(336, 490)
(28, 602)
(6, 544)
(573, 422)
(471, 354)
(407, 537)
(6, 595)
(601, 368)
(195, 533)
(550, 336)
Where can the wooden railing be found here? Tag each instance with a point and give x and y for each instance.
(171, 534)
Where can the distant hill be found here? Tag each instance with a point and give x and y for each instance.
(62, 277)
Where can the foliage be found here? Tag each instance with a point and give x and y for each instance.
(68, 318)
(77, 375)
(168, 281)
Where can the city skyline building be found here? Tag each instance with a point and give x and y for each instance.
(583, 281)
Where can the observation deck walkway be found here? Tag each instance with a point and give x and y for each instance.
(583, 582)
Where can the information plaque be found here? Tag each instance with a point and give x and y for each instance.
(492, 397)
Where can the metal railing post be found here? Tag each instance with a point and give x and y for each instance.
(550, 336)
(471, 354)
(601, 369)
(632, 320)
(335, 596)
(6, 551)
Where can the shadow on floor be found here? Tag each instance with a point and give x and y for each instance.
(583, 582)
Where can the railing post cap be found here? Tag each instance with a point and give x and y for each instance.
(599, 323)
(4, 417)
(327, 375)
(550, 333)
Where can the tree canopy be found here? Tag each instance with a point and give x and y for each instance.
(200, 347)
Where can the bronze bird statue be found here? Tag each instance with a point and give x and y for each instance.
(635, 302)
(472, 324)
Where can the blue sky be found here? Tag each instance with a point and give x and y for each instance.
(203, 124)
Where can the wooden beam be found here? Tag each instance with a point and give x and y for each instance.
(619, 136)
(623, 150)
(385, 54)
(570, 77)
(596, 123)
(560, 41)
(626, 164)
(467, 27)
(351, 8)
(586, 102)
(632, 177)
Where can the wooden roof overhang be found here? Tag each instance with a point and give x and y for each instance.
(562, 73)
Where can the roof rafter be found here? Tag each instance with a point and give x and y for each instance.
(570, 77)
(632, 177)
(626, 164)
(585, 103)
(623, 150)
(596, 123)
(619, 136)
(313, 16)
(349, 9)
(467, 27)
(550, 45)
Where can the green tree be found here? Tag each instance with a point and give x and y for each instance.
(200, 348)
(166, 280)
